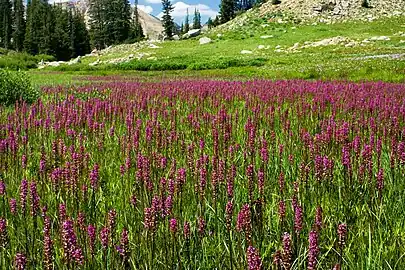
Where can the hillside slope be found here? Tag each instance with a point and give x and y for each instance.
(336, 9)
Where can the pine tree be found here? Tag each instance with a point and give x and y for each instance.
(46, 34)
(136, 31)
(97, 23)
(118, 15)
(80, 35)
(5, 23)
(18, 25)
(62, 45)
(210, 23)
(197, 20)
(227, 11)
(168, 23)
(187, 23)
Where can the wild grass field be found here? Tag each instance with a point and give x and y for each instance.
(207, 158)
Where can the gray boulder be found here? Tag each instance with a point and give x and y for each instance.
(205, 40)
(192, 33)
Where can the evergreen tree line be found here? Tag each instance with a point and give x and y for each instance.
(113, 22)
(230, 8)
(42, 28)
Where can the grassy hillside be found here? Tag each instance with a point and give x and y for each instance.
(280, 55)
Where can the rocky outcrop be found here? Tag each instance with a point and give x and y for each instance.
(337, 9)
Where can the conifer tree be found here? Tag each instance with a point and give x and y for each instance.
(187, 23)
(18, 25)
(136, 31)
(62, 45)
(197, 20)
(168, 23)
(80, 35)
(227, 11)
(5, 23)
(97, 23)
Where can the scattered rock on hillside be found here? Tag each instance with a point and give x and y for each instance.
(205, 40)
(95, 63)
(153, 46)
(266, 37)
(77, 60)
(246, 52)
(381, 38)
(192, 33)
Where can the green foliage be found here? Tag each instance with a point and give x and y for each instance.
(227, 11)
(187, 23)
(197, 19)
(5, 23)
(23, 61)
(16, 86)
(110, 22)
(19, 25)
(168, 23)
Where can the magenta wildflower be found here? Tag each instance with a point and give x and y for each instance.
(149, 219)
(228, 215)
(3, 233)
(91, 234)
(253, 259)
(244, 222)
(71, 250)
(48, 245)
(173, 226)
(186, 230)
(298, 219)
(34, 199)
(287, 251)
(23, 195)
(2, 188)
(342, 234)
(318, 218)
(94, 177)
(123, 248)
(24, 161)
(313, 250)
(104, 237)
(201, 226)
(20, 261)
(13, 206)
(111, 221)
(281, 210)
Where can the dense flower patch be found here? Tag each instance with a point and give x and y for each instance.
(204, 175)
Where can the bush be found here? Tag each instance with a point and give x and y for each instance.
(16, 86)
(16, 61)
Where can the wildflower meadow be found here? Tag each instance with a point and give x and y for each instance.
(200, 174)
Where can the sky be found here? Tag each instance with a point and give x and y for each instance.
(207, 8)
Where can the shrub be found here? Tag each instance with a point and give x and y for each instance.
(16, 86)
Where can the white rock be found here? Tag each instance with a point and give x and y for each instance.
(246, 52)
(176, 37)
(265, 25)
(192, 33)
(95, 63)
(402, 41)
(219, 35)
(261, 47)
(278, 50)
(380, 38)
(278, 46)
(205, 40)
(153, 46)
(266, 37)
